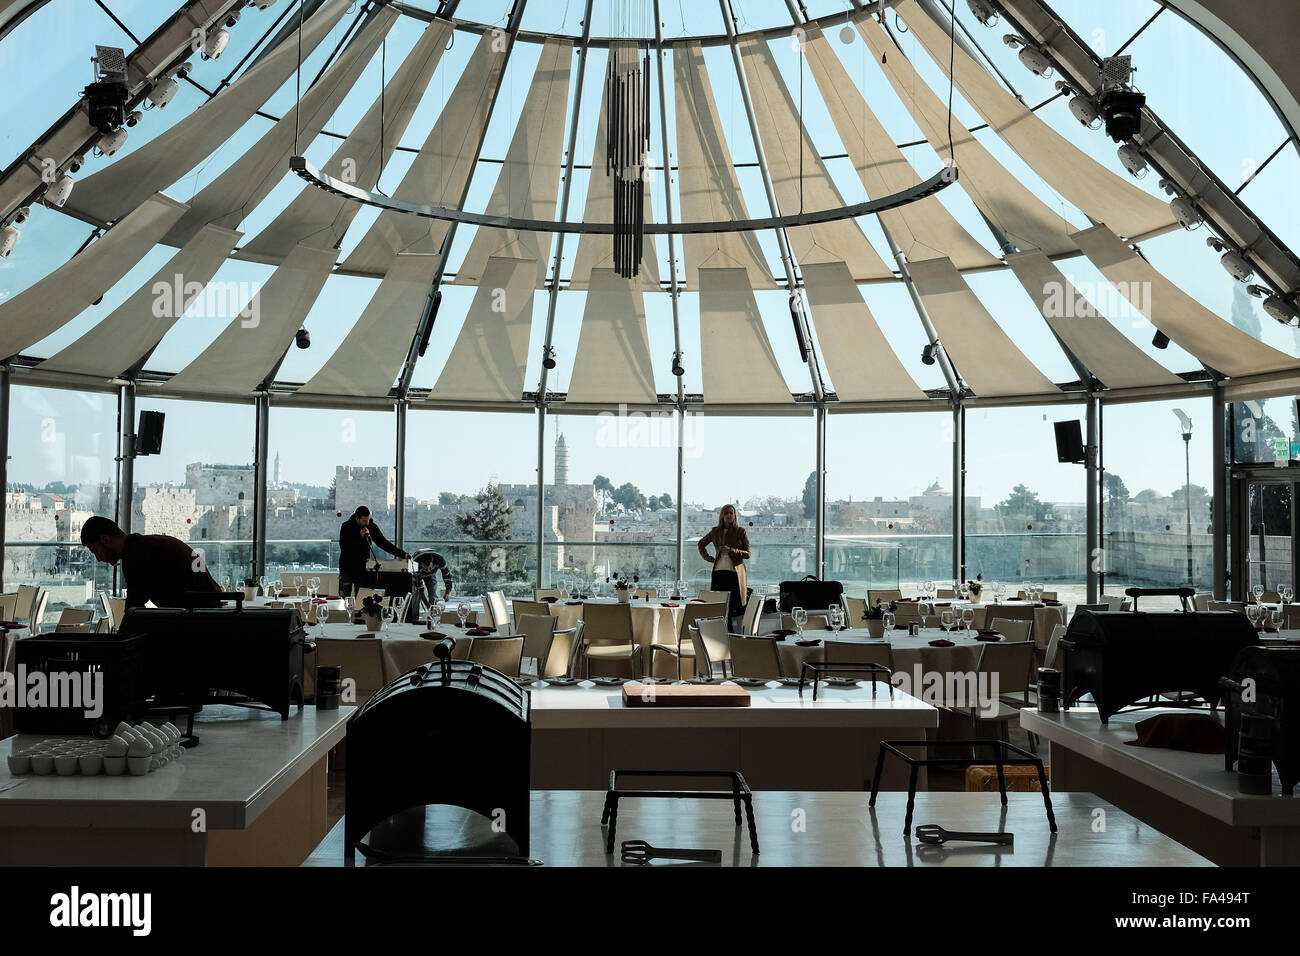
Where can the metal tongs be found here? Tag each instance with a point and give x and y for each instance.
(641, 852)
(936, 835)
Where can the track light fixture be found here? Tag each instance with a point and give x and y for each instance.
(57, 193)
(678, 369)
(133, 118)
(548, 357)
(110, 143)
(77, 162)
(215, 45)
(929, 353)
(1133, 160)
(302, 339)
(1183, 207)
(1237, 265)
(8, 239)
(163, 93)
(1034, 59)
(1161, 341)
(1281, 310)
(983, 11)
(260, 4)
(23, 214)
(1083, 108)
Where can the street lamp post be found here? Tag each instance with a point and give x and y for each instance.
(1186, 423)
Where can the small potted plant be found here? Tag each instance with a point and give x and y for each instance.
(372, 613)
(976, 588)
(250, 588)
(875, 618)
(622, 585)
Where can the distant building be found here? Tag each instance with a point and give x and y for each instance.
(561, 461)
(219, 485)
(374, 487)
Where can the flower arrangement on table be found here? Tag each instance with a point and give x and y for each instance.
(877, 613)
(976, 587)
(622, 582)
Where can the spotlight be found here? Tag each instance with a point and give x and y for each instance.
(110, 143)
(678, 369)
(260, 4)
(1034, 59)
(163, 93)
(133, 118)
(57, 193)
(77, 162)
(1161, 341)
(106, 104)
(22, 215)
(1278, 308)
(1084, 110)
(928, 354)
(983, 11)
(1122, 111)
(1238, 266)
(233, 18)
(1186, 213)
(215, 45)
(548, 357)
(1133, 160)
(8, 239)
(302, 339)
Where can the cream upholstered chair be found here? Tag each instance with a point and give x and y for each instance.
(1015, 631)
(1117, 602)
(541, 594)
(1238, 606)
(712, 645)
(104, 626)
(1201, 600)
(520, 608)
(38, 615)
(538, 631)
(856, 652)
(1053, 645)
(363, 593)
(1102, 607)
(885, 595)
(1011, 612)
(1011, 665)
(118, 606)
(500, 653)
(82, 627)
(1270, 597)
(1290, 616)
(753, 618)
(644, 594)
(7, 604)
(75, 615)
(755, 657)
(816, 622)
(856, 611)
(715, 597)
(682, 647)
(1046, 618)
(27, 595)
(1045, 596)
(360, 661)
(945, 593)
(562, 652)
(607, 635)
(498, 615)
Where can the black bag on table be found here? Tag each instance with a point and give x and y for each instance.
(810, 592)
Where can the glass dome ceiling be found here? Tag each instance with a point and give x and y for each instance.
(189, 259)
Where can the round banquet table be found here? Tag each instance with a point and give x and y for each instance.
(653, 622)
(908, 650)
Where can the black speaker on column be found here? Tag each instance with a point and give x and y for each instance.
(150, 433)
(1069, 442)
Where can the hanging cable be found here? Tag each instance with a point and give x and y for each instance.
(952, 73)
(297, 113)
(383, 81)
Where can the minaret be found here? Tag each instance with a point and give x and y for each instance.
(561, 461)
(279, 475)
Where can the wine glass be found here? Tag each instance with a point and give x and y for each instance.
(1285, 593)
(924, 610)
(887, 619)
(388, 613)
(928, 587)
(1252, 614)
(946, 618)
(968, 618)
(679, 588)
(1275, 618)
(1258, 591)
(462, 612)
(800, 619)
(834, 617)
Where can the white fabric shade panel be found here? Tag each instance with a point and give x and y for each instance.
(135, 327)
(440, 172)
(69, 290)
(246, 351)
(488, 361)
(371, 355)
(1103, 195)
(984, 354)
(229, 198)
(111, 193)
(708, 190)
(612, 362)
(802, 182)
(528, 184)
(923, 229)
(1220, 345)
(736, 359)
(857, 355)
(1102, 348)
(318, 218)
(1021, 216)
(597, 251)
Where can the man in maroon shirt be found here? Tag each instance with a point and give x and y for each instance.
(156, 567)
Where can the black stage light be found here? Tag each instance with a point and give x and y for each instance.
(1122, 111)
(548, 358)
(927, 354)
(302, 339)
(678, 369)
(1161, 341)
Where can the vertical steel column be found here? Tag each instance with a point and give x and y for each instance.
(399, 520)
(126, 456)
(1096, 555)
(260, 467)
(1222, 464)
(821, 491)
(553, 298)
(5, 407)
(958, 490)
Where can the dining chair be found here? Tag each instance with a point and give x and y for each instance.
(504, 654)
(1045, 596)
(681, 648)
(607, 635)
(538, 631)
(104, 609)
(1011, 666)
(1269, 597)
(333, 615)
(117, 607)
(398, 604)
(712, 645)
(1201, 600)
(1238, 606)
(363, 593)
(981, 616)
(906, 612)
(1045, 619)
(521, 608)
(104, 626)
(26, 603)
(884, 595)
(1012, 630)
(1117, 602)
(81, 627)
(715, 597)
(360, 661)
(945, 592)
(1053, 645)
(755, 657)
(38, 615)
(816, 622)
(857, 652)
(1011, 612)
(750, 623)
(855, 611)
(1103, 607)
(1290, 616)
(561, 652)
(8, 602)
(541, 594)
(644, 594)
(75, 615)
(498, 615)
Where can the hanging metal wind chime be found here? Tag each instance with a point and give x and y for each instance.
(627, 90)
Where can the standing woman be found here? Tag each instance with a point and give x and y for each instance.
(731, 543)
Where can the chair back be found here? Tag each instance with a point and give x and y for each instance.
(26, 602)
(1045, 596)
(856, 609)
(105, 626)
(398, 604)
(755, 657)
(713, 632)
(716, 597)
(363, 593)
(816, 622)
(1053, 643)
(1290, 616)
(541, 594)
(1116, 602)
(1201, 600)
(1238, 606)
(538, 631)
(906, 612)
(104, 609)
(561, 653)
(1103, 607)
(856, 652)
(607, 624)
(499, 653)
(644, 594)
(361, 661)
(522, 608)
(75, 615)
(1011, 662)
(84, 627)
(7, 604)
(333, 615)
(753, 615)
(118, 607)
(693, 612)
(1015, 631)
(494, 602)
(1270, 597)
(38, 615)
(1046, 618)
(1011, 612)
(945, 592)
(885, 595)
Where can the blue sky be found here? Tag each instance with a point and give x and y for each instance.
(1188, 81)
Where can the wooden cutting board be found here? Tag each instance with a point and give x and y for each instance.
(684, 695)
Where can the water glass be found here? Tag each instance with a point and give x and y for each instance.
(1285, 593)
(888, 620)
(1275, 618)
(834, 617)
(462, 612)
(968, 617)
(947, 619)
(800, 618)
(1258, 591)
(1252, 614)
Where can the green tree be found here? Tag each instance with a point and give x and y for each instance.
(1117, 495)
(629, 496)
(601, 483)
(448, 499)
(810, 496)
(489, 519)
(665, 500)
(1023, 503)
